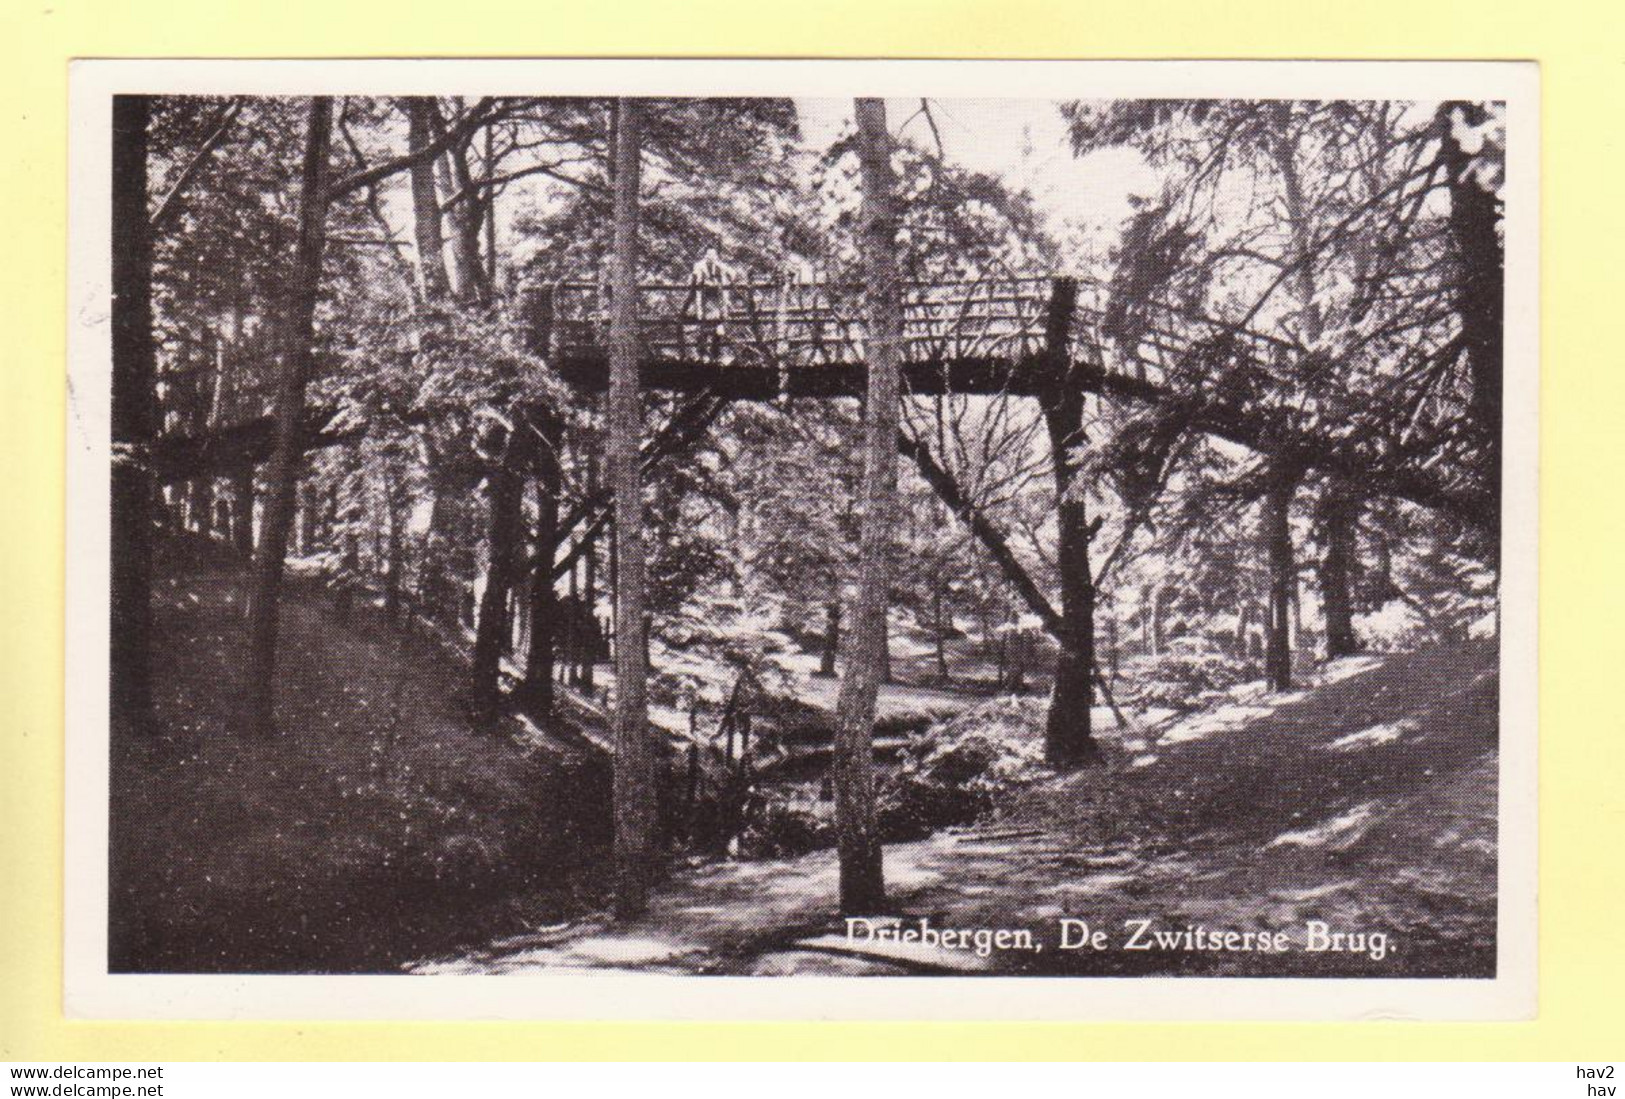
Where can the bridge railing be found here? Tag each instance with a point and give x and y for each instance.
(1170, 345)
(794, 325)
(807, 324)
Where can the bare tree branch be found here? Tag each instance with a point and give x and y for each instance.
(169, 206)
(485, 111)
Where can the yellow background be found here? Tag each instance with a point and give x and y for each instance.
(1582, 54)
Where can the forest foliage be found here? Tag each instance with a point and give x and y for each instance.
(1302, 458)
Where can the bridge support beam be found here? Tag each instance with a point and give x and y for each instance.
(1068, 730)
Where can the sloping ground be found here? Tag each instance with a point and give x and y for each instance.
(376, 825)
(1366, 805)
(793, 726)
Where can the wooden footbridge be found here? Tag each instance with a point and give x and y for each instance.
(1019, 336)
(1015, 336)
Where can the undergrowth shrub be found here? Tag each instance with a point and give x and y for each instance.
(1189, 672)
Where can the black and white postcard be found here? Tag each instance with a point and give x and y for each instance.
(789, 539)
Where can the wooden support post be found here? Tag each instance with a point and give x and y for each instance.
(1068, 737)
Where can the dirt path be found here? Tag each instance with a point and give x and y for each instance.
(1366, 803)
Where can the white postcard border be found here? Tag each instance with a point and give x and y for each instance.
(91, 992)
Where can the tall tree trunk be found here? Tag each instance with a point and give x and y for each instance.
(467, 224)
(940, 628)
(1340, 513)
(442, 573)
(1111, 647)
(466, 219)
(1479, 300)
(1068, 733)
(349, 578)
(634, 747)
(589, 581)
(426, 224)
(1334, 572)
(282, 478)
(242, 513)
(505, 493)
(488, 201)
(204, 386)
(537, 693)
(1283, 578)
(570, 647)
(394, 546)
(1474, 217)
(303, 520)
(1310, 325)
(134, 419)
(1068, 729)
(863, 889)
(199, 505)
(832, 637)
